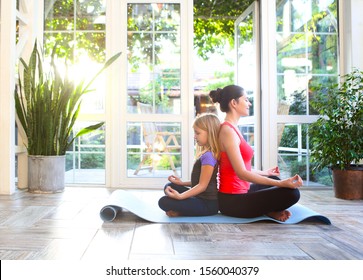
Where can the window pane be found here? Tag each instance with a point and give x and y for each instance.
(154, 57)
(58, 15)
(319, 80)
(324, 53)
(307, 51)
(292, 90)
(292, 53)
(91, 46)
(248, 132)
(153, 149)
(293, 157)
(139, 17)
(64, 42)
(85, 160)
(91, 14)
(294, 15)
(167, 17)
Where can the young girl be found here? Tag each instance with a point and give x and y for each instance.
(267, 195)
(198, 197)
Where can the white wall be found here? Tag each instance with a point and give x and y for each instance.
(357, 33)
(351, 34)
(7, 107)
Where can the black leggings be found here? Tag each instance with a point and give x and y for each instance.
(259, 201)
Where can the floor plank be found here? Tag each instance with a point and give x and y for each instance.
(67, 226)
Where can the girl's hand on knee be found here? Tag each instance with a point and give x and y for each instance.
(170, 192)
(175, 180)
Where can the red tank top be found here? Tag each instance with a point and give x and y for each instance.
(228, 180)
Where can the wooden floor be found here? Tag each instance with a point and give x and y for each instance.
(67, 226)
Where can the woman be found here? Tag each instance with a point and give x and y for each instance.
(237, 197)
(199, 196)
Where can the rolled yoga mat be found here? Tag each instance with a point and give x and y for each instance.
(147, 208)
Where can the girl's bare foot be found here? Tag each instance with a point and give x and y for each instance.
(172, 213)
(281, 216)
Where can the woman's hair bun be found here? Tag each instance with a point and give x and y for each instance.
(215, 95)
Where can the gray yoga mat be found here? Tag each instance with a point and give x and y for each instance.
(147, 208)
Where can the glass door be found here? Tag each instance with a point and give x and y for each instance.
(153, 90)
(248, 74)
(154, 93)
(307, 48)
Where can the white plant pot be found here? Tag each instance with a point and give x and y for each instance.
(46, 174)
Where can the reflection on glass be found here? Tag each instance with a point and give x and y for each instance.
(153, 46)
(153, 149)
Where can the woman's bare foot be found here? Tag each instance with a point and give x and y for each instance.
(172, 213)
(281, 216)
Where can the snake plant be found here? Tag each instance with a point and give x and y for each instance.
(47, 105)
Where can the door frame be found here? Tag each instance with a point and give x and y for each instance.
(256, 118)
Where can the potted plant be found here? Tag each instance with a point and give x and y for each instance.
(47, 105)
(337, 136)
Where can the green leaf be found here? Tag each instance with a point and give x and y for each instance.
(47, 104)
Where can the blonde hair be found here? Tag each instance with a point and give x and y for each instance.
(209, 122)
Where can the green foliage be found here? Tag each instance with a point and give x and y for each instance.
(337, 135)
(214, 24)
(213, 28)
(151, 95)
(225, 79)
(62, 18)
(157, 92)
(47, 105)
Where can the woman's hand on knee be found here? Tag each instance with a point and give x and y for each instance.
(292, 182)
(275, 171)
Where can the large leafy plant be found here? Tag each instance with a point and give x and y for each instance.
(337, 135)
(48, 103)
